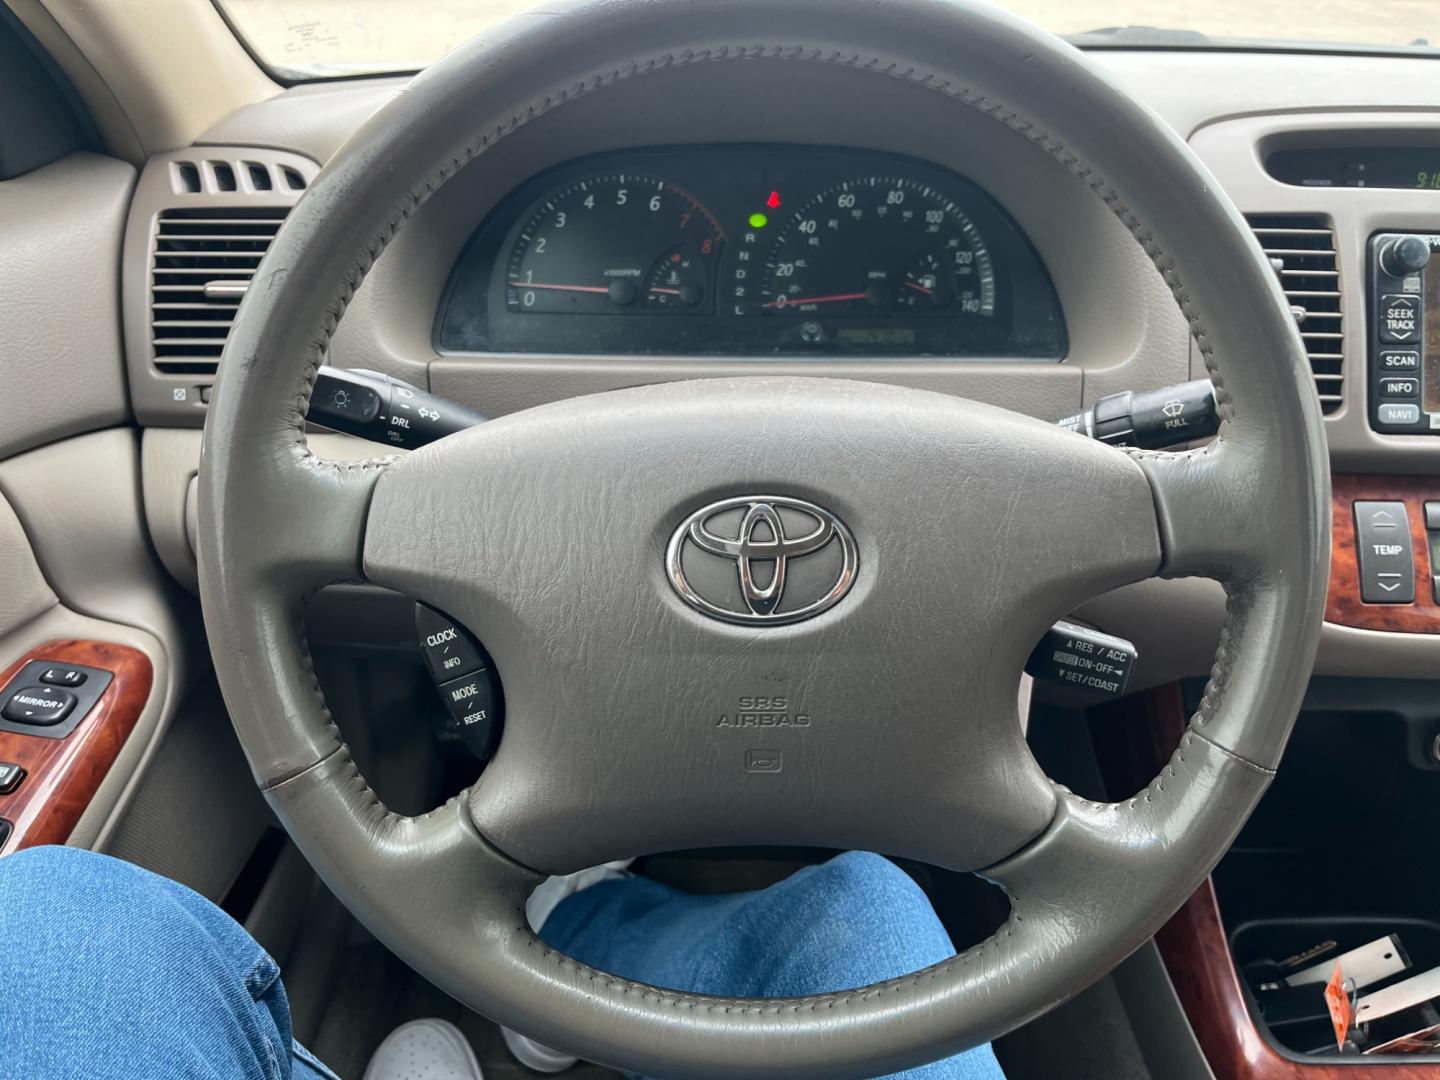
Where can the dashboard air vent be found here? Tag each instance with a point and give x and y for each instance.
(203, 262)
(1301, 248)
(211, 176)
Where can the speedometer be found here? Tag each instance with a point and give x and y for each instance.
(879, 244)
(613, 245)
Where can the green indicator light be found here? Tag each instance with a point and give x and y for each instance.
(758, 221)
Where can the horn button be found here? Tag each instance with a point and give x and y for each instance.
(764, 559)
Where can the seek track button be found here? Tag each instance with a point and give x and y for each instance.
(1399, 317)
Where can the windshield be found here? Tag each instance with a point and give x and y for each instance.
(308, 39)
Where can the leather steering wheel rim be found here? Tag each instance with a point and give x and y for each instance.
(1088, 882)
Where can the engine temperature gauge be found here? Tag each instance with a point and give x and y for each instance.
(680, 279)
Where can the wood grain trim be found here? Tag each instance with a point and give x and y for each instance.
(62, 775)
(1343, 605)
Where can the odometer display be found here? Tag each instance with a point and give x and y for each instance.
(875, 247)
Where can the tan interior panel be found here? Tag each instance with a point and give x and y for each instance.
(171, 67)
(62, 371)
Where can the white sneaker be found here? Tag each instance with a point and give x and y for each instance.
(424, 1050)
(544, 900)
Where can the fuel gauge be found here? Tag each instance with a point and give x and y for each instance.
(926, 285)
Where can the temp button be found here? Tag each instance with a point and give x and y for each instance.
(1386, 556)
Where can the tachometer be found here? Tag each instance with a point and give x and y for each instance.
(879, 244)
(614, 245)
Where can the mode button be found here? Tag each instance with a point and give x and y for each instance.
(471, 702)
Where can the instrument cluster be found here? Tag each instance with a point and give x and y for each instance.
(751, 251)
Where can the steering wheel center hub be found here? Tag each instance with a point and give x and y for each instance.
(762, 560)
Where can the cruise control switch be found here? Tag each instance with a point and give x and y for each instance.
(1080, 658)
(373, 406)
(1151, 420)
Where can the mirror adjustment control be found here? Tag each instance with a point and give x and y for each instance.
(1386, 555)
(38, 705)
(63, 676)
(50, 698)
(449, 651)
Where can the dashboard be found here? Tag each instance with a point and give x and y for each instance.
(1288, 137)
(751, 251)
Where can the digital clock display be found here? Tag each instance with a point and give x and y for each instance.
(1413, 167)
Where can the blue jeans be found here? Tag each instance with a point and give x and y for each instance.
(113, 972)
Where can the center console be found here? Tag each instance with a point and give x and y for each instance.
(1334, 857)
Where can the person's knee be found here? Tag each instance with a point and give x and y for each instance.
(42, 878)
(63, 910)
(851, 921)
(856, 873)
(862, 889)
(112, 954)
(89, 895)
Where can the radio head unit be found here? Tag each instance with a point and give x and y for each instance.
(1405, 333)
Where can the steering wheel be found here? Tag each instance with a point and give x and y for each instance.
(971, 530)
